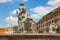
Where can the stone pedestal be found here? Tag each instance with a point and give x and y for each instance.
(30, 36)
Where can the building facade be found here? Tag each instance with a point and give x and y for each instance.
(43, 25)
(2, 31)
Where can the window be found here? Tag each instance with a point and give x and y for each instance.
(51, 17)
(46, 19)
(47, 29)
(39, 25)
(47, 24)
(37, 28)
(59, 13)
(52, 21)
(56, 20)
(55, 15)
(41, 31)
(58, 27)
(43, 25)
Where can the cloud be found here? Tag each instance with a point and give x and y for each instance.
(4, 1)
(9, 18)
(39, 12)
(12, 20)
(43, 10)
(14, 11)
(35, 17)
(25, 0)
(53, 2)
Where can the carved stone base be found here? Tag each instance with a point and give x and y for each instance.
(30, 36)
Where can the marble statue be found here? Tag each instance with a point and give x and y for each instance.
(28, 23)
(52, 27)
(24, 19)
(21, 17)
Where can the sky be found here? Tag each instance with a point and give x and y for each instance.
(36, 8)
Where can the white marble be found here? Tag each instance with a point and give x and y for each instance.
(53, 25)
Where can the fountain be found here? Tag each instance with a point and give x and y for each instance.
(24, 26)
